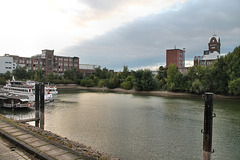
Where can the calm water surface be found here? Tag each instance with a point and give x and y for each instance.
(141, 127)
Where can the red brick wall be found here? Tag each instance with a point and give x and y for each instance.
(173, 57)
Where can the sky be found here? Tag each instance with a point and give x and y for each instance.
(117, 33)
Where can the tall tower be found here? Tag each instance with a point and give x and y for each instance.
(214, 44)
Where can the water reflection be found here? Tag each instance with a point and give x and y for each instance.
(18, 113)
(142, 127)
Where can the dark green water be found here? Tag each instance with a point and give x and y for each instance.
(141, 127)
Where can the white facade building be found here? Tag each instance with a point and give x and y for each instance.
(6, 64)
(87, 66)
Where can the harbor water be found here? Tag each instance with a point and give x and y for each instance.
(132, 126)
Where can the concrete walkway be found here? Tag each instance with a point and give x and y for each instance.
(11, 152)
(34, 144)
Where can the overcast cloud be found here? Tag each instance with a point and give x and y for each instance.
(143, 42)
(114, 33)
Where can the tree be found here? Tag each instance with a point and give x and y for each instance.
(38, 75)
(2, 80)
(20, 73)
(233, 70)
(200, 79)
(197, 87)
(77, 74)
(7, 75)
(94, 78)
(112, 82)
(233, 62)
(161, 76)
(127, 83)
(100, 83)
(234, 87)
(138, 80)
(206, 78)
(125, 72)
(68, 74)
(190, 77)
(98, 72)
(174, 78)
(162, 73)
(220, 76)
(104, 73)
(50, 77)
(143, 80)
(73, 74)
(35, 76)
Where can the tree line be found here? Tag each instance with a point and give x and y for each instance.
(222, 77)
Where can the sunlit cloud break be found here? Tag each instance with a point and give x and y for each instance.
(57, 24)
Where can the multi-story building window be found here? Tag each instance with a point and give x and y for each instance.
(175, 56)
(45, 61)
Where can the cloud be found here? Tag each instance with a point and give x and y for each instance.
(111, 33)
(143, 42)
(89, 18)
(188, 63)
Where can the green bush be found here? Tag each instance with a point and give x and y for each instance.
(144, 81)
(112, 83)
(128, 83)
(100, 83)
(87, 83)
(83, 82)
(234, 87)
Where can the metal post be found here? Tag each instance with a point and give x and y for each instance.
(42, 90)
(208, 123)
(37, 104)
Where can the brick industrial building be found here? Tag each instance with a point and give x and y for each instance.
(46, 62)
(177, 57)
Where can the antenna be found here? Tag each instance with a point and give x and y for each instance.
(214, 34)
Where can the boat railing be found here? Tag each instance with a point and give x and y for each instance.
(22, 86)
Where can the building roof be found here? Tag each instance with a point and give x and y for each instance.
(175, 49)
(211, 56)
(215, 36)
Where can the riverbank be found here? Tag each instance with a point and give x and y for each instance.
(154, 93)
(19, 132)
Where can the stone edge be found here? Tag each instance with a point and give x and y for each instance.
(26, 147)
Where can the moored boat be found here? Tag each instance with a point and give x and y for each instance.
(18, 87)
(25, 89)
(52, 89)
(15, 101)
(49, 88)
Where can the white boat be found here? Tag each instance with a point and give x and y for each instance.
(24, 89)
(52, 89)
(18, 87)
(49, 88)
